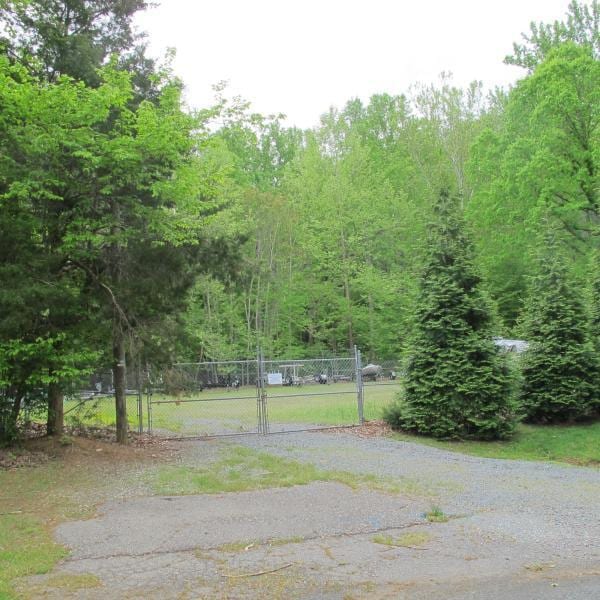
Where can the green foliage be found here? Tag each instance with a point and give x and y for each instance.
(542, 157)
(72, 37)
(560, 369)
(105, 213)
(581, 27)
(46, 338)
(457, 385)
(594, 296)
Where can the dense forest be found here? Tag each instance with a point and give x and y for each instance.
(135, 229)
(334, 220)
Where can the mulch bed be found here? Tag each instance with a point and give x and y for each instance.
(369, 429)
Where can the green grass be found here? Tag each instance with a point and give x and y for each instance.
(408, 540)
(575, 444)
(436, 515)
(26, 548)
(32, 500)
(99, 412)
(242, 469)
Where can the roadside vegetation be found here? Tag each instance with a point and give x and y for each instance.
(573, 444)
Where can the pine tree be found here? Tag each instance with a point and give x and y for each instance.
(457, 384)
(560, 368)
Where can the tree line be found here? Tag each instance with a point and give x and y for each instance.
(134, 229)
(457, 382)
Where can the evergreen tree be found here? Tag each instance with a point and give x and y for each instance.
(72, 37)
(457, 385)
(560, 369)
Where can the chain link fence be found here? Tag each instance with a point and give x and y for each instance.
(382, 383)
(312, 394)
(252, 396)
(91, 402)
(221, 398)
(204, 399)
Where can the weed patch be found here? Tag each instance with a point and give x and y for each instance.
(243, 469)
(436, 515)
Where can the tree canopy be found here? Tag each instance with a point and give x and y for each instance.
(135, 230)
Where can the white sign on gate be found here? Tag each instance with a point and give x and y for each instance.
(274, 378)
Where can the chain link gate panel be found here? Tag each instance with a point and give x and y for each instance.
(382, 382)
(241, 397)
(206, 399)
(312, 394)
(254, 396)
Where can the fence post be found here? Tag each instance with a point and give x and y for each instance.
(264, 396)
(261, 395)
(140, 407)
(359, 385)
(149, 391)
(258, 384)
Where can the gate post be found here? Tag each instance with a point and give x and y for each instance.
(261, 395)
(359, 386)
(140, 406)
(149, 391)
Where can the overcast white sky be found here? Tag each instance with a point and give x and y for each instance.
(301, 56)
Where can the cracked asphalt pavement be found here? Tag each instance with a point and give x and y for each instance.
(519, 530)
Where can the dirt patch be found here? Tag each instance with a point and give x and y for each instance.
(21, 457)
(89, 446)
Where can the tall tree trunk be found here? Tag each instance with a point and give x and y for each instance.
(119, 323)
(16, 409)
(10, 414)
(347, 294)
(119, 377)
(55, 424)
(349, 309)
(371, 328)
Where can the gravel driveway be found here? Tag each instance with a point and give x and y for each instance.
(519, 530)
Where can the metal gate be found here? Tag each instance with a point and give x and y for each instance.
(258, 396)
